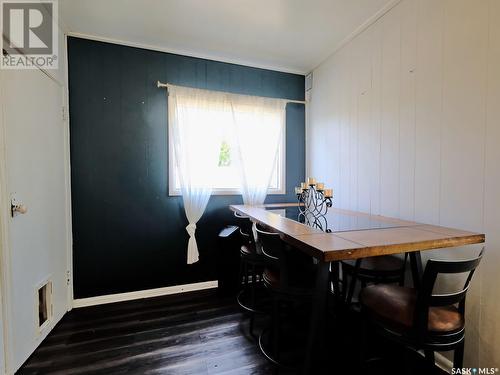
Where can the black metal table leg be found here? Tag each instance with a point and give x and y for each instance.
(317, 325)
(416, 268)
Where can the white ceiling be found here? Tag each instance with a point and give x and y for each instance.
(288, 35)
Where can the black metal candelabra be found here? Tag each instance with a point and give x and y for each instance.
(314, 202)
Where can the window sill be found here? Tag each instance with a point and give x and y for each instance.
(177, 192)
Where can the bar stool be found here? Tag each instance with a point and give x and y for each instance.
(420, 319)
(289, 278)
(251, 267)
(372, 270)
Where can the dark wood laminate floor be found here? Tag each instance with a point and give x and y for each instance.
(195, 333)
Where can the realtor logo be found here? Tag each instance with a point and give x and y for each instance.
(29, 34)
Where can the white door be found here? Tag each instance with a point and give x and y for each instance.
(35, 249)
(2, 346)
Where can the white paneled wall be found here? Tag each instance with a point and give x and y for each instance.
(404, 121)
(490, 311)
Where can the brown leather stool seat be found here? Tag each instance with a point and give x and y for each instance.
(395, 305)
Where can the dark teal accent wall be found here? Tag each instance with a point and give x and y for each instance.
(128, 234)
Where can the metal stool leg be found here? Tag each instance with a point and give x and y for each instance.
(254, 286)
(275, 329)
(241, 274)
(364, 342)
(246, 276)
(354, 279)
(458, 355)
(408, 362)
(429, 359)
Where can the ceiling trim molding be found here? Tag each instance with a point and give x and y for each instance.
(365, 25)
(188, 53)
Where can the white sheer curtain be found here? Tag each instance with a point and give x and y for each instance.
(196, 149)
(199, 121)
(259, 124)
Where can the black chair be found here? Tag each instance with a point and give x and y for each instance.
(289, 278)
(251, 267)
(421, 319)
(372, 270)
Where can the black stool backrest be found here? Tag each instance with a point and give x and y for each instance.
(273, 249)
(271, 244)
(426, 297)
(245, 225)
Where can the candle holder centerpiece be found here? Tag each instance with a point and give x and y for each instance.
(314, 202)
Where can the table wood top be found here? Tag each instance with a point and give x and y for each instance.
(403, 236)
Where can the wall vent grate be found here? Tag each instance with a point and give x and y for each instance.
(44, 304)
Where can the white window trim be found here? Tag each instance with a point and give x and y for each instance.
(173, 192)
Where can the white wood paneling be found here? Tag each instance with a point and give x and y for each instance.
(355, 64)
(407, 110)
(376, 116)
(463, 132)
(316, 145)
(463, 123)
(429, 73)
(415, 104)
(333, 136)
(363, 93)
(489, 325)
(389, 128)
(345, 166)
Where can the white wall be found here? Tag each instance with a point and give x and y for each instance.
(2, 347)
(34, 163)
(404, 121)
(3, 235)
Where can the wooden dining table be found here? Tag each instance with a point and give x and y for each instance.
(351, 235)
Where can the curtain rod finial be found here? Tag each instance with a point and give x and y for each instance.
(161, 85)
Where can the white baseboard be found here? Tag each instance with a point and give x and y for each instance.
(111, 298)
(443, 363)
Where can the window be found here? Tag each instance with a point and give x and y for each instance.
(227, 179)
